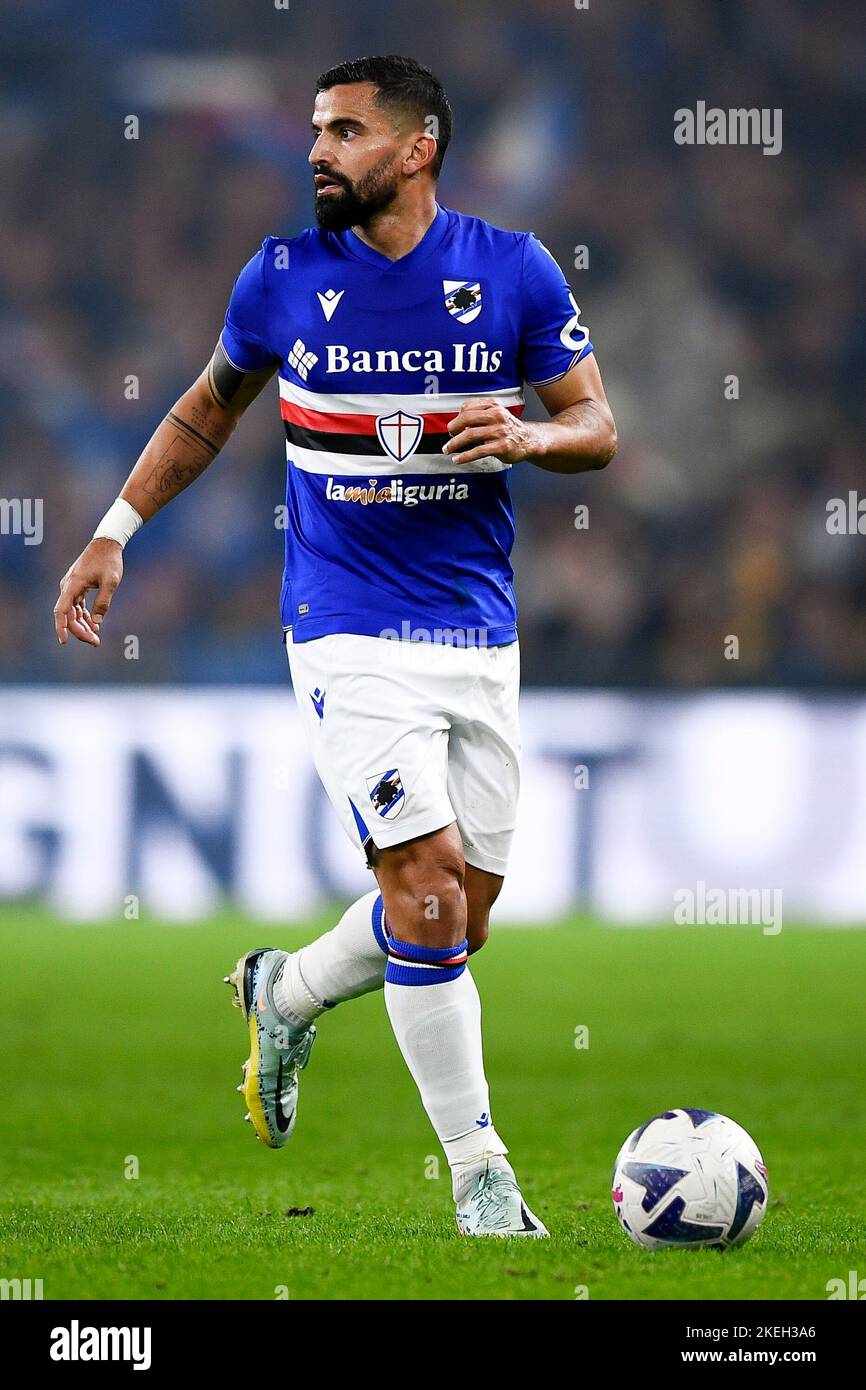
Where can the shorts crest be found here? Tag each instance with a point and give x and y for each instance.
(386, 793)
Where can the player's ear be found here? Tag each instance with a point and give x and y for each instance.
(423, 152)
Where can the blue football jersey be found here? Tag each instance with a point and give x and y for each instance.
(385, 534)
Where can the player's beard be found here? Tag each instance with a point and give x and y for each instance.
(358, 202)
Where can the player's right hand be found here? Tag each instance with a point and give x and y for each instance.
(99, 566)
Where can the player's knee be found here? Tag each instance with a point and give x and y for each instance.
(436, 892)
(424, 885)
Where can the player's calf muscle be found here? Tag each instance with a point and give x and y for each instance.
(477, 931)
(482, 890)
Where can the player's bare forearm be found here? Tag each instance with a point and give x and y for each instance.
(176, 454)
(580, 435)
(579, 438)
(191, 435)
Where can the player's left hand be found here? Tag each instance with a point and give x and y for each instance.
(484, 428)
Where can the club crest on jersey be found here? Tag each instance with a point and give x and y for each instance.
(462, 299)
(399, 433)
(386, 793)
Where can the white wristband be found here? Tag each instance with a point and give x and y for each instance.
(120, 523)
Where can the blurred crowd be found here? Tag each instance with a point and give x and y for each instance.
(724, 290)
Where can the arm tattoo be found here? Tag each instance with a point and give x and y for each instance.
(203, 424)
(182, 461)
(223, 378)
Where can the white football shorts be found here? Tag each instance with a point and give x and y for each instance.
(408, 737)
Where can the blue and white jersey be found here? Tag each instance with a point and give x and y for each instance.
(386, 535)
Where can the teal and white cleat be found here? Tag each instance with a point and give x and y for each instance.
(494, 1206)
(277, 1050)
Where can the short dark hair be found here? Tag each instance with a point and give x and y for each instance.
(402, 83)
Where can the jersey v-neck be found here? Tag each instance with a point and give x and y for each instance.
(425, 247)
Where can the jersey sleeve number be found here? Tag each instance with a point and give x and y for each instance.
(574, 335)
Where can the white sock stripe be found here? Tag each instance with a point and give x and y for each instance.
(428, 964)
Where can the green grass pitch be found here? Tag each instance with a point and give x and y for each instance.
(119, 1047)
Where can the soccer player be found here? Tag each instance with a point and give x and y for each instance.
(402, 334)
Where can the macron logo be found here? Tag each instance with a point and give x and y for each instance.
(329, 301)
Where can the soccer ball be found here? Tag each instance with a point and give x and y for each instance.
(690, 1178)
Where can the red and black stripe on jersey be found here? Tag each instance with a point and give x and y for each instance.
(347, 433)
